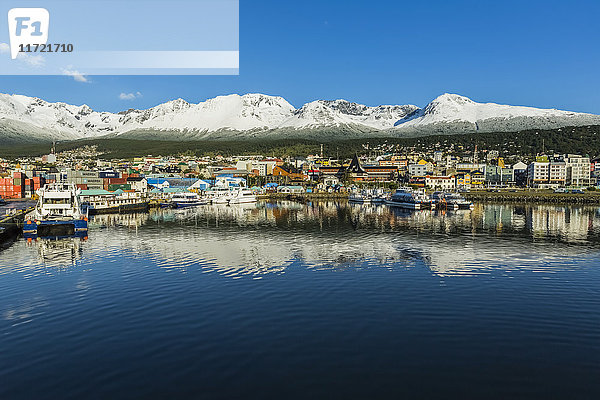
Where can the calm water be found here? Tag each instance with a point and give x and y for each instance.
(283, 300)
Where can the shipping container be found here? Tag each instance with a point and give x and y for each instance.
(116, 181)
(114, 187)
(108, 174)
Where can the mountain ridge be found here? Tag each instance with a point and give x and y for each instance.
(256, 115)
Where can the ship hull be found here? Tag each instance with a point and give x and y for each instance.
(73, 227)
(120, 209)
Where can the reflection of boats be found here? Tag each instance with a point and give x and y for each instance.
(409, 199)
(130, 220)
(58, 252)
(181, 200)
(4, 235)
(57, 213)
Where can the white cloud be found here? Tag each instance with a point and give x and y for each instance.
(34, 61)
(78, 76)
(130, 96)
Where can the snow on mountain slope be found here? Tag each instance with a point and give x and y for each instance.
(344, 113)
(257, 115)
(70, 122)
(454, 112)
(233, 112)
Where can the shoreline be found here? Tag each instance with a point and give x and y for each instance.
(527, 197)
(521, 197)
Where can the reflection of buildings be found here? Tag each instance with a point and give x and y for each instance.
(270, 236)
(570, 223)
(130, 220)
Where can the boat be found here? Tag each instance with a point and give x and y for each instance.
(360, 197)
(218, 195)
(409, 199)
(441, 201)
(58, 212)
(458, 202)
(379, 196)
(182, 200)
(241, 196)
(117, 202)
(2, 202)
(451, 201)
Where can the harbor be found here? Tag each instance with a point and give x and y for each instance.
(285, 277)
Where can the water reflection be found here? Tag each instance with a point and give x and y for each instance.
(268, 237)
(58, 253)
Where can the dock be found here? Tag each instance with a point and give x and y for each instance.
(12, 224)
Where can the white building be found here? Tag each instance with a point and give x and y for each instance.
(440, 182)
(538, 173)
(557, 173)
(420, 169)
(290, 189)
(547, 174)
(578, 169)
(138, 184)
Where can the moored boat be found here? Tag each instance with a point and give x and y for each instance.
(409, 199)
(57, 213)
(451, 201)
(104, 202)
(458, 202)
(189, 199)
(242, 196)
(360, 197)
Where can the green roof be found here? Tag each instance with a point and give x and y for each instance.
(174, 190)
(95, 192)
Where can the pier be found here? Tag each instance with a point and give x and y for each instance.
(11, 224)
(525, 196)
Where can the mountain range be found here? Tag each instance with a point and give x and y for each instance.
(29, 119)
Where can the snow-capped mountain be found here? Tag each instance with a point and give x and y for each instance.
(451, 113)
(256, 115)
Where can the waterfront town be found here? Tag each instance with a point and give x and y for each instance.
(160, 176)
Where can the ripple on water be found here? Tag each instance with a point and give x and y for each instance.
(321, 292)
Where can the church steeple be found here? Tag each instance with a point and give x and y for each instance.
(355, 166)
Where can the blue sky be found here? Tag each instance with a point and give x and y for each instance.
(535, 53)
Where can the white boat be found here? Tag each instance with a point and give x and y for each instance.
(451, 201)
(360, 197)
(181, 200)
(58, 212)
(458, 202)
(241, 196)
(218, 195)
(379, 196)
(409, 199)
